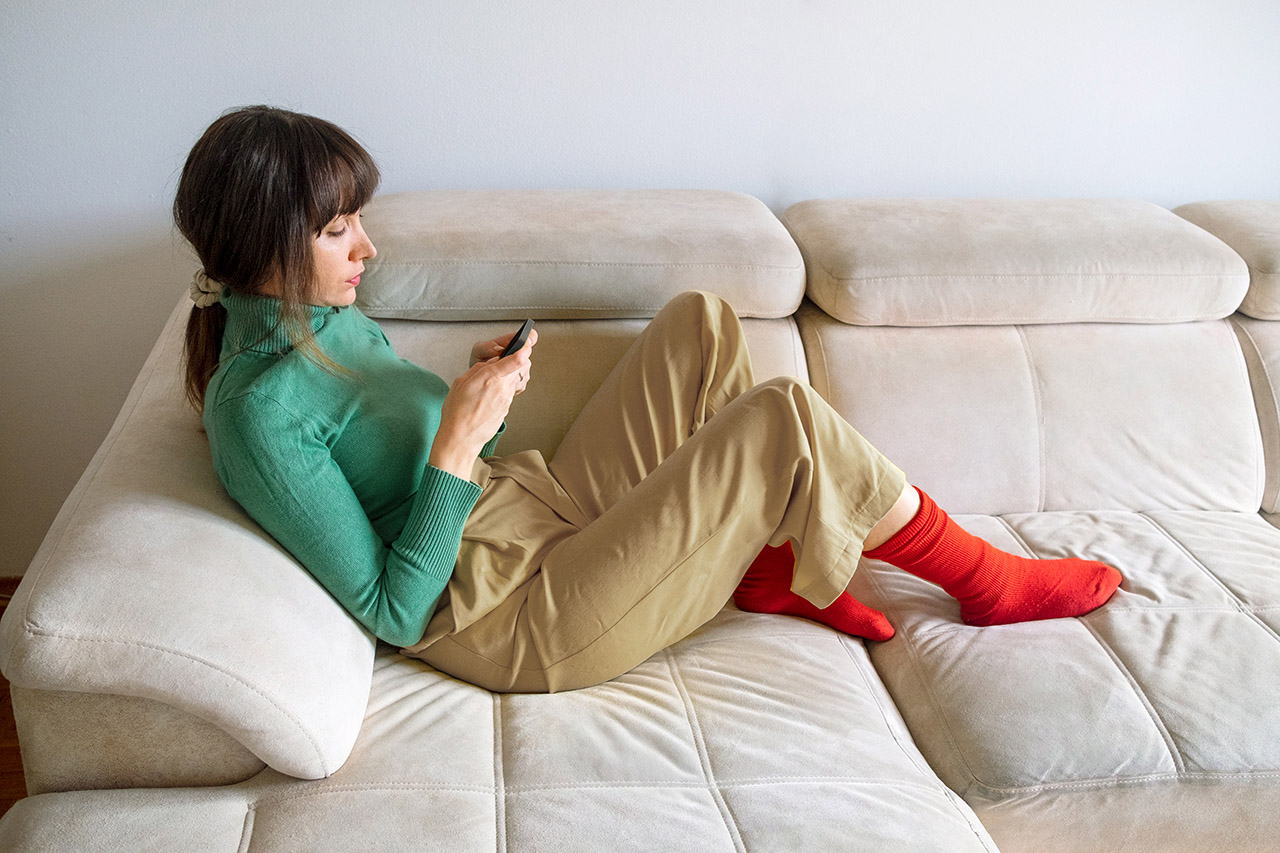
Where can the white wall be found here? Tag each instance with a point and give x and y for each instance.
(1168, 101)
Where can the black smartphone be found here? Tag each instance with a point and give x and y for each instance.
(518, 341)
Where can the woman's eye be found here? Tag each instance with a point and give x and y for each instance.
(337, 233)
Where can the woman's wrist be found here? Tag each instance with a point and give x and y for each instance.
(449, 454)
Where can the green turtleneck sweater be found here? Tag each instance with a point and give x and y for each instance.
(335, 466)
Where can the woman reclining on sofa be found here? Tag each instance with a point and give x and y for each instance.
(681, 484)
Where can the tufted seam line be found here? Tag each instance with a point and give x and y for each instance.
(1134, 781)
(704, 758)
(940, 710)
(1038, 402)
(499, 779)
(1179, 762)
(1084, 276)
(517, 262)
(1239, 604)
(848, 642)
(860, 664)
(763, 781)
(1017, 537)
(1266, 388)
(246, 831)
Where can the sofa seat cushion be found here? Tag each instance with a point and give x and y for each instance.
(1251, 228)
(757, 732)
(573, 254)
(944, 262)
(1157, 709)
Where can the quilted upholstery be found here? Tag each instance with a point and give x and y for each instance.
(1057, 374)
(756, 733)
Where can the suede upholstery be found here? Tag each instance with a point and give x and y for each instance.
(1058, 374)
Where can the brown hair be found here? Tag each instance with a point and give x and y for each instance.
(256, 190)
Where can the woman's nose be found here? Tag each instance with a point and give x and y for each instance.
(363, 249)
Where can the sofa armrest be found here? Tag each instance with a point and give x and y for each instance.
(153, 584)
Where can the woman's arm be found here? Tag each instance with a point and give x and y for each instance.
(286, 479)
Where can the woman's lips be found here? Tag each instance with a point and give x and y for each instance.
(353, 281)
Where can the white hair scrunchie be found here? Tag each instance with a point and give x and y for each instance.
(204, 290)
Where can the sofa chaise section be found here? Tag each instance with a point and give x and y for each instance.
(1085, 400)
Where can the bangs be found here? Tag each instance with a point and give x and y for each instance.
(342, 177)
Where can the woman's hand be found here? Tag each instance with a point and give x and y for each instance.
(485, 350)
(478, 402)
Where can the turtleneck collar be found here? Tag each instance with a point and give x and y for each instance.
(253, 323)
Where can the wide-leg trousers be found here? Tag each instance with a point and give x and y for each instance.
(667, 485)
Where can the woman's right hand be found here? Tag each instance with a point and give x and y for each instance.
(474, 409)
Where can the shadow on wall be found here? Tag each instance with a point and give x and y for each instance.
(74, 331)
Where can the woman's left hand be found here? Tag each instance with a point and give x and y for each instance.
(486, 350)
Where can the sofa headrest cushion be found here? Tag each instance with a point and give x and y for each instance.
(509, 254)
(944, 262)
(1252, 228)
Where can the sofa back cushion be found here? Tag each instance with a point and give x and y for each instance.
(574, 254)
(1057, 374)
(1252, 229)
(949, 262)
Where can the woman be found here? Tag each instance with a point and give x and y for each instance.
(511, 572)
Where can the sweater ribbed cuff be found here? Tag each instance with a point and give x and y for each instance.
(439, 513)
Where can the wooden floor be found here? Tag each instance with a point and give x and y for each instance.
(12, 786)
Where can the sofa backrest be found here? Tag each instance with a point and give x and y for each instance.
(1075, 355)
(591, 267)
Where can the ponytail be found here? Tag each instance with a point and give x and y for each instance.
(205, 328)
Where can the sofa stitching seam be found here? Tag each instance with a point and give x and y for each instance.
(1038, 402)
(1268, 384)
(1179, 762)
(847, 643)
(499, 779)
(246, 829)
(1104, 783)
(521, 262)
(1093, 276)
(860, 665)
(927, 685)
(1237, 602)
(704, 759)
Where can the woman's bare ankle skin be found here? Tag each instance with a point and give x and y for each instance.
(903, 510)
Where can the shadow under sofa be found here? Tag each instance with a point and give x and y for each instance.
(1067, 377)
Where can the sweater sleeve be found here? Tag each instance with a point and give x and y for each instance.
(285, 477)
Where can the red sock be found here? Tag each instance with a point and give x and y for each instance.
(766, 588)
(992, 586)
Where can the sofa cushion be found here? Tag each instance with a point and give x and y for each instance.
(1150, 721)
(924, 262)
(757, 732)
(573, 254)
(1051, 417)
(1251, 228)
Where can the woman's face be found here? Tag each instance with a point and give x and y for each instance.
(340, 252)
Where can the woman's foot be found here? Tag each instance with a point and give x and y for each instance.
(766, 588)
(992, 586)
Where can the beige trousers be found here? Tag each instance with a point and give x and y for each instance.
(674, 476)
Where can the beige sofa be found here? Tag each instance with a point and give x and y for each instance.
(1067, 377)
